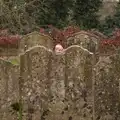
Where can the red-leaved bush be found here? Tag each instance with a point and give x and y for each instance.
(114, 40)
(111, 44)
(59, 37)
(69, 31)
(7, 40)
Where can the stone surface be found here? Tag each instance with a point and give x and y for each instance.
(60, 86)
(35, 82)
(87, 40)
(34, 39)
(106, 89)
(9, 90)
(78, 86)
(50, 77)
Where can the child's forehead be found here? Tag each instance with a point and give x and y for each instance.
(58, 46)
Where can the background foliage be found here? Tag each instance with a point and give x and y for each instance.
(24, 16)
(111, 23)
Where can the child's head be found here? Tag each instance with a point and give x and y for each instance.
(59, 48)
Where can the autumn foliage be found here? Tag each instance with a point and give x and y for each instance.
(59, 37)
(7, 40)
(113, 41)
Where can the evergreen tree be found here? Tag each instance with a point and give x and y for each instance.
(85, 13)
(13, 16)
(27, 15)
(55, 12)
(111, 22)
(116, 17)
(107, 27)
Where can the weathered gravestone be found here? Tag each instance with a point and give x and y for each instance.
(97, 33)
(35, 82)
(57, 86)
(87, 40)
(106, 89)
(9, 90)
(78, 84)
(33, 39)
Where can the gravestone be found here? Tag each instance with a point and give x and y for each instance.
(87, 40)
(46, 79)
(106, 88)
(35, 82)
(34, 39)
(78, 83)
(97, 33)
(9, 90)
